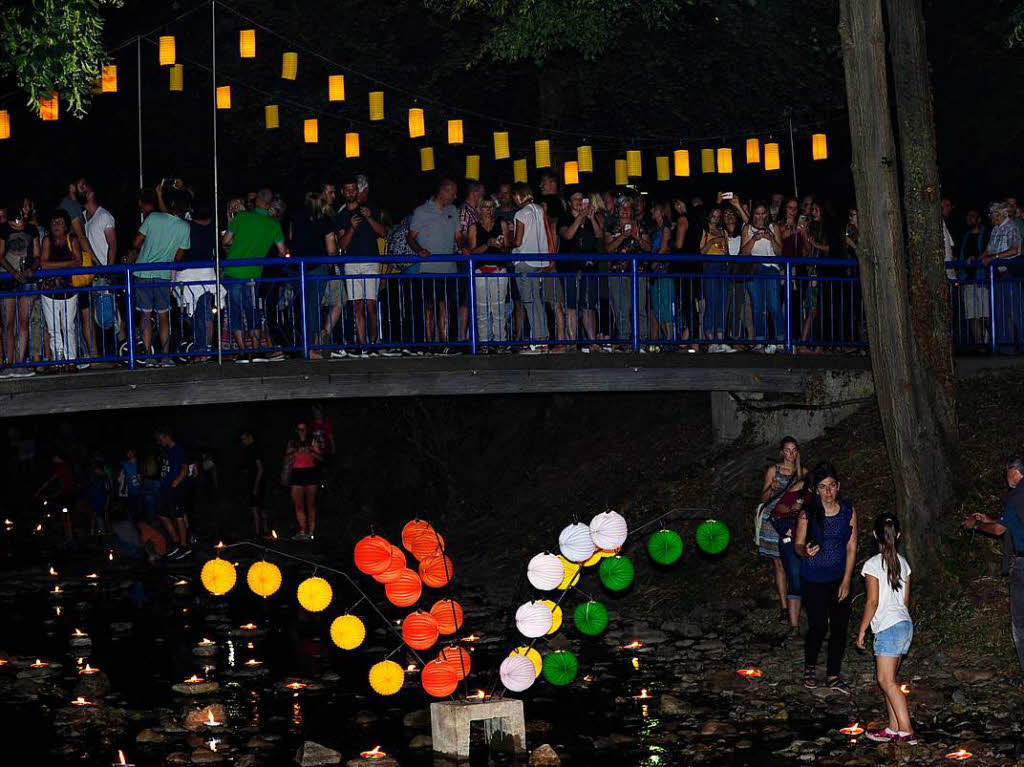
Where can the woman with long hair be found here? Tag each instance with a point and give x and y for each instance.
(714, 242)
(578, 230)
(312, 234)
(688, 286)
(302, 461)
(780, 500)
(762, 238)
(60, 304)
(740, 324)
(818, 246)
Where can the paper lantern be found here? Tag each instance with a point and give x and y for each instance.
(427, 544)
(271, 116)
(348, 632)
(616, 573)
(108, 78)
(455, 131)
(177, 78)
(417, 123)
(571, 172)
(542, 153)
(439, 678)
(223, 97)
(531, 654)
(386, 677)
(336, 88)
(519, 171)
(633, 163)
(599, 555)
(707, 160)
(264, 578)
(609, 530)
(661, 166)
(166, 47)
(448, 615)
(405, 590)
(310, 131)
(753, 151)
(771, 156)
(289, 65)
(315, 594)
(426, 158)
(394, 569)
(570, 573)
(665, 546)
(576, 543)
(247, 43)
(556, 615)
(533, 619)
(560, 667)
(681, 161)
(518, 672)
(712, 536)
(419, 630)
(218, 576)
(376, 105)
(819, 146)
(459, 658)
(49, 106)
(436, 571)
(621, 176)
(373, 555)
(585, 157)
(5, 124)
(545, 572)
(473, 167)
(591, 618)
(412, 529)
(725, 160)
(501, 151)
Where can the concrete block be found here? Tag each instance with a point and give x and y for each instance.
(504, 725)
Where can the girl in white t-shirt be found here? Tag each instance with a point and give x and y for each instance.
(887, 576)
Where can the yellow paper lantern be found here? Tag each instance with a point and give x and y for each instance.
(681, 161)
(633, 163)
(585, 158)
(247, 43)
(289, 65)
(223, 97)
(218, 576)
(264, 578)
(725, 160)
(519, 171)
(819, 146)
(108, 79)
(426, 158)
(542, 153)
(49, 107)
(556, 615)
(177, 78)
(310, 131)
(621, 173)
(376, 105)
(417, 123)
(570, 570)
(5, 124)
(661, 165)
(771, 156)
(386, 677)
(347, 632)
(707, 160)
(455, 131)
(352, 144)
(336, 88)
(571, 172)
(315, 594)
(753, 151)
(501, 151)
(167, 54)
(271, 116)
(473, 167)
(598, 556)
(532, 654)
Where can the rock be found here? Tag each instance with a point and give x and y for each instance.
(177, 758)
(387, 761)
(92, 686)
(198, 688)
(259, 743)
(245, 760)
(973, 676)
(673, 706)
(206, 756)
(717, 728)
(150, 736)
(417, 720)
(195, 719)
(544, 756)
(421, 741)
(312, 754)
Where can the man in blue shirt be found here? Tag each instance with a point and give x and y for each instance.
(173, 475)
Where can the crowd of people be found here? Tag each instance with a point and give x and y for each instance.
(417, 299)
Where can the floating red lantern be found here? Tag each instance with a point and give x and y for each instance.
(376, 753)
(439, 678)
(405, 590)
(419, 630)
(373, 555)
(412, 530)
(749, 673)
(436, 571)
(459, 658)
(448, 615)
(426, 544)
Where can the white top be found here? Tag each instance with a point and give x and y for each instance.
(891, 604)
(763, 246)
(535, 238)
(734, 245)
(95, 232)
(947, 247)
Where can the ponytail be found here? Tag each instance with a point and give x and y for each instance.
(887, 531)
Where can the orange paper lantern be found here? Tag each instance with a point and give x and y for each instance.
(459, 659)
(436, 571)
(419, 630)
(439, 678)
(396, 566)
(373, 555)
(412, 529)
(49, 106)
(405, 589)
(426, 544)
(448, 615)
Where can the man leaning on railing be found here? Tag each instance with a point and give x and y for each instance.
(1003, 244)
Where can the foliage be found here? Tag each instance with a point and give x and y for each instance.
(1016, 36)
(54, 45)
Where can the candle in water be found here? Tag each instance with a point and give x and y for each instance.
(194, 680)
(204, 642)
(471, 638)
(182, 582)
(273, 534)
(411, 669)
(89, 670)
(634, 645)
(39, 664)
(296, 686)
(78, 633)
(80, 701)
(220, 546)
(248, 627)
(959, 755)
(121, 761)
(375, 753)
(92, 576)
(636, 663)
(644, 710)
(853, 729)
(749, 673)
(52, 571)
(210, 721)
(253, 662)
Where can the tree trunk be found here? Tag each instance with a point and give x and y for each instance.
(902, 277)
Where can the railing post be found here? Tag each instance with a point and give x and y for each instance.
(473, 340)
(130, 319)
(789, 309)
(633, 264)
(302, 309)
(992, 307)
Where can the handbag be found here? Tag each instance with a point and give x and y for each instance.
(759, 512)
(83, 280)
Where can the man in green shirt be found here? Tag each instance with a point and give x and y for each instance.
(250, 235)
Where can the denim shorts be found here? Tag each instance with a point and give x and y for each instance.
(150, 297)
(894, 642)
(242, 307)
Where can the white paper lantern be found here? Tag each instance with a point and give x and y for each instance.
(545, 572)
(576, 543)
(517, 673)
(533, 619)
(609, 530)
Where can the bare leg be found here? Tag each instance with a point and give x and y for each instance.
(463, 323)
(794, 612)
(359, 310)
(165, 330)
(894, 697)
(442, 321)
(520, 317)
(88, 332)
(371, 312)
(300, 512)
(428, 322)
(24, 316)
(570, 324)
(781, 585)
(590, 323)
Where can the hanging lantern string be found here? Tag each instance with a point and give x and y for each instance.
(355, 604)
(131, 40)
(670, 512)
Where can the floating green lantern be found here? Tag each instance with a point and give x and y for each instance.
(560, 667)
(591, 618)
(713, 536)
(665, 546)
(616, 573)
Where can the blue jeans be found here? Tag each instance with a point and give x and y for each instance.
(202, 314)
(715, 290)
(790, 561)
(620, 296)
(764, 300)
(242, 306)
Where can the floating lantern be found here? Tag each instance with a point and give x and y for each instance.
(426, 158)
(264, 578)
(576, 543)
(519, 171)
(315, 594)
(166, 48)
(621, 173)
(571, 172)
(518, 672)
(681, 162)
(439, 678)
(412, 529)
(661, 167)
(376, 753)
(336, 88)
(49, 106)
(585, 158)
(419, 630)
(448, 615)
(348, 632)
(750, 673)
(289, 65)
(218, 576)
(296, 685)
(204, 642)
(560, 667)
(853, 729)
(633, 163)
(473, 167)
(121, 760)
(725, 160)
(405, 590)
(455, 131)
(609, 530)
(644, 695)
(532, 655)
(533, 619)
(376, 105)
(591, 618)
(665, 546)
(248, 627)
(177, 77)
(436, 571)
(194, 680)
(89, 670)
(253, 662)
(542, 153)
(417, 123)
(223, 102)
(819, 146)
(712, 536)
(373, 555)
(501, 150)
(426, 544)
(959, 755)
(707, 160)
(210, 721)
(38, 664)
(80, 701)
(108, 78)
(310, 131)
(247, 43)
(545, 572)
(556, 615)
(753, 151)
(771, 156)
(459, 658)
(616, 573)
(570, 573)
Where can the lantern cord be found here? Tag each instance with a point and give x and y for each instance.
(355, 604)
(388, 656)
(153, 31)
(670, 512)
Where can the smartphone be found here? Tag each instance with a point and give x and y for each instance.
(167, 183)
(627, 227)
(803, 219)
(586, 202)
(727, 195)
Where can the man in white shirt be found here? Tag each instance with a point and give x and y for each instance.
(102, 238)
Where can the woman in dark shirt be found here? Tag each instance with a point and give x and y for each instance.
(489, 235)
(578, 229)
(313, 235)
(197, 291)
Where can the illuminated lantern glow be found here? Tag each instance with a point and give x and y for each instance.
(223, 97)
(336, 88)
(707, 160)
(665, 546)
(473, 167)
(289, 65)
(218, 576)
(310, 131)
(271, 116)
(571, 172)
(501, 149)
(599, 555)
(49, 106)
(725, 160)
(348, 632)
(681, 162)
(427, 544)
(448, 615)
(634, 165)
(108, 78)
(412, 529)
(166, 48)
(591, 618)
(576, 543)
(386, 677)
(617, 573)
(417, 129)
(609, 530)
(621, 175)
(819, 146)
(542, 153)
(419, 630)
(436, 571)
(315, 594)
(373, 555)
(530, 653)
(247, 43)
(405, 590)
(264, 578)
(459, 658)
(753, 151)
(661, 166)
(545, 572)
(556, 615)
(519, 171)
(426, 158)
(455, 132)
(177, 78)
(518, 672)
(771, 156)
(585, 158)
(5, 124)
(396, 566)
(439, 678)
(713, 536)
(533, 619)
(376, 105)
(560, 667)
(570, 573)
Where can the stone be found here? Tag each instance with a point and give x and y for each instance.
(149, 736)
(198, 688)
(417, 720)
(176, 758)
(673, 706)
(92, 686)
(717, 728)
(387, 761)
(973, 676)
(504, 726)
(544, 756)
(194, 719)
(245, 760)
(312, 754)
(206, 756)
(421, 741)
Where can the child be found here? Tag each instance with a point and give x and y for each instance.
(129, 484)
(887, 576)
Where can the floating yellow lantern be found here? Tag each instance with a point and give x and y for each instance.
(223, 97)
(49, 107)
(621, 173)
(336, 88)
(519, 171)
(542, 153)
(426, 158)
(501, 151)
(681, 161)
(753, 151)
(571, 172)
(585, 158)
(218, 576)
(167, 54)
(661, 165)
(633, 163)
(376, 105)
(271, 116)
(348, 632)
(310, 131)
(247, 43)
(417, 123)
(386, 677)
(771, 156)
(707, 160)
(455, 131)
(315, 594)
(108, 78)
(5, 124)
(264, 578)
(473, 167)
(725, 160)
(289, 65)
(177, 78)
(819, 146)
(351, 144)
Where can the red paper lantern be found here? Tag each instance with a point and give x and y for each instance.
(412, 529)
(436, 571)
(405, 589)
(459, 658)
(439, 678)
(426, 544)
(396, 566)
(419, 630)
(373, 555)
(448, 615)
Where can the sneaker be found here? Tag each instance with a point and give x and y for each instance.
(339, 354)
(165, 362)
(882, 736)
(839, 685)
(6, 372)
(83, 365)
(809, 681)
(532, 349)
(23, 373)
(726, 349)
(390, 353)
(771, 349)
(259, 358)
(276, 357)
(716, 348)
(585, 349)
(357, 354)
(300, 536)
(910, 739)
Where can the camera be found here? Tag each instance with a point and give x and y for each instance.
(727, 195)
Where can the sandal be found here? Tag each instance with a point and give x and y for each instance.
(809, 681)
(839, 685)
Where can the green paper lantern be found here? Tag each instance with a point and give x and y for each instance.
(560, 667)
(616, 573)
(591, 618)
(665, 546)
(713, 536)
